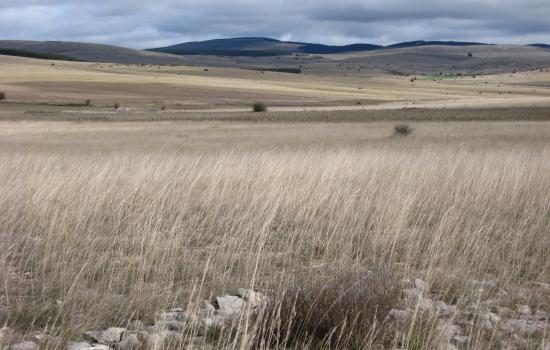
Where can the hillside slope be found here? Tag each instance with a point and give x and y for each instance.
(93, 52)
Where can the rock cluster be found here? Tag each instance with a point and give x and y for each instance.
(170, 326)
(456, 323)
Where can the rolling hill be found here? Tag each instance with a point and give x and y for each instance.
(87, 52)
(256, 47)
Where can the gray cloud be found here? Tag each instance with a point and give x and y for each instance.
(140, 24)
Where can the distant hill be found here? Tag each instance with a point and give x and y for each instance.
(432, 43)
(34, 54)
(255, 47)
(85, 52)
(542, 46)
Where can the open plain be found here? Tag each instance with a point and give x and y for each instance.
(130, 194)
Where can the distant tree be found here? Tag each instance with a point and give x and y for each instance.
(2, 96)
(470, 54)
(88, 102)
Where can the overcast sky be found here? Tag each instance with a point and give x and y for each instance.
(154, 23)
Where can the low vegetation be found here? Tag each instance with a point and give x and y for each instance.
(2, 96)
(402, 130)
(103, 225)
(259, 107)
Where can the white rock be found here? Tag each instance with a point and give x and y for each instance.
(229, 305)
(109, 336)
(420, 284)
(78, 346)
(522, 326)
(26, 345)
(461, 339)
(524, 310)
(131, 342)
(5, 333)
(99, 347)
(494, 318)
(255, 299)
(443, 309)
(400, 314)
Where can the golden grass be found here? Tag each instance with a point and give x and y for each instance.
(118, 221)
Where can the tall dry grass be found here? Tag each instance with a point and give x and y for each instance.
(114, 236)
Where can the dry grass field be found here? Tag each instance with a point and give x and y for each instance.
(357, 237)
(32, 85)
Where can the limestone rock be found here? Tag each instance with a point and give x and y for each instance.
(419, 284)
(229, 305)
(26, 345)
(131, 342)
(400, 314)
(524, 310)
(254, 299)
(522, 326)
(109, 336)
(78, 345)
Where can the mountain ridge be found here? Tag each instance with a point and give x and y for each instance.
(262, 46)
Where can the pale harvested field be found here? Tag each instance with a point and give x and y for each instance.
(106, 222)
(32, 81)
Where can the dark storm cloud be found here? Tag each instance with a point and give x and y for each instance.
(139, 23)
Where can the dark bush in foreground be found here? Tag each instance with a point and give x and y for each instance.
(2, 96)
(402, 130)
(336, 308)
(259, 107)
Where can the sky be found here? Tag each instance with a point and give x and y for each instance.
(156, 23)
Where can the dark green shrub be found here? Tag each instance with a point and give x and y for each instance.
(259, 107)
(402, 130)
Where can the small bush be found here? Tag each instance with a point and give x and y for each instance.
(335, 307)
(259, 107)
(2, 96)
(402, 130)
(88, 102)
(116, 105)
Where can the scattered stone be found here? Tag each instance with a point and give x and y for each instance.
(26, 345)
(419, 284)
(78, 346)
(5, 334)
(131, 342)
(111, 336)
(254, 299)
(461, 339)
(400, 314)
(229, 305)
(522, 327)
(540, 315)
(524, 310)
(444, 310)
